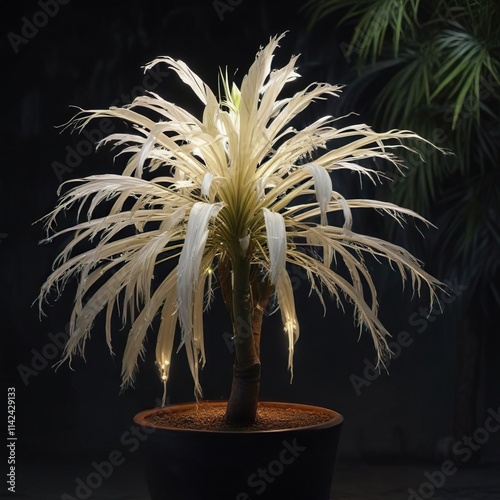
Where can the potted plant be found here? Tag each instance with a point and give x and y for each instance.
(230, 198)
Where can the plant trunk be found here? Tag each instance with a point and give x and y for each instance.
(242, 404)
(261, 292)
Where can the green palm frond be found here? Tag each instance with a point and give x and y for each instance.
(466, 62)
(375, 22)
(444, 83)
(472, 237)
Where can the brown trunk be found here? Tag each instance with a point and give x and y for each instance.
(262, 291)
(242, 404)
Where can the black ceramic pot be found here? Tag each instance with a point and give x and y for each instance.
(291, 464)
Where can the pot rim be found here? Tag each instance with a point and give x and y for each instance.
(337, 418)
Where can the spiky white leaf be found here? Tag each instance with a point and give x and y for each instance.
(276, 243)
(190, 260)
(207, 182)
(247, 141)
(286, 302)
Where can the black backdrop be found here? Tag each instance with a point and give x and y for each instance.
(90, 54)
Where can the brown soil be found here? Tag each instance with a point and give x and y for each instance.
(205, 417)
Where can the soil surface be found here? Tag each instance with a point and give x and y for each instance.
(205, 417)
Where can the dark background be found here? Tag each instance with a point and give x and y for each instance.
(90, 54)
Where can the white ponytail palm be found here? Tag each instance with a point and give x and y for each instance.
(224, 203)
